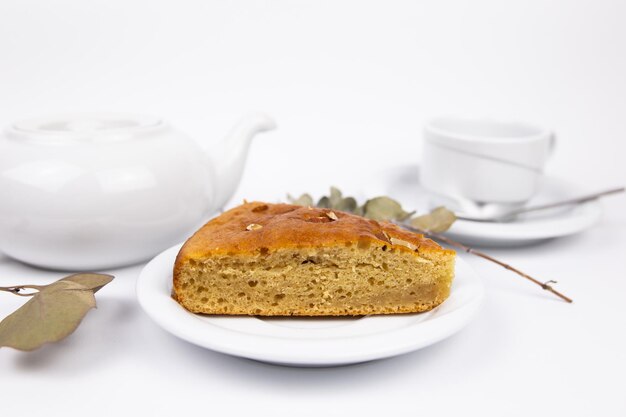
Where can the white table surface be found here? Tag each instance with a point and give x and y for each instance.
(350, 84)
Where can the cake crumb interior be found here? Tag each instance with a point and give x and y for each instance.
(348, 279)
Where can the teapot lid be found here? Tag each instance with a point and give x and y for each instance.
(86, 126)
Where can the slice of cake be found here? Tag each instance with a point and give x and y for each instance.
(286, 260)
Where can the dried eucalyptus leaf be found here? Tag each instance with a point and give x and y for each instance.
(346, 204)
(437, 221)
(384, 208)
(303, 200)
(334, 197)
(49, 316)
(323, 202)
(336, 201)
(90, 281)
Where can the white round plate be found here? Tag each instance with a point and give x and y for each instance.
(307, 341)
(403, 184)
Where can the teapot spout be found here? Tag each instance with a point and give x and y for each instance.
(229, 162)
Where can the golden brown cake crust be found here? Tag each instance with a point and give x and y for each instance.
(289, 226)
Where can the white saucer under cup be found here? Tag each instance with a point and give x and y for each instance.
(403, 184)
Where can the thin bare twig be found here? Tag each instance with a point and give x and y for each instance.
(544, 285)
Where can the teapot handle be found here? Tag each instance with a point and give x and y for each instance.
(230, 159)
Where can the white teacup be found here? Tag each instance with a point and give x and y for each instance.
(481, 162)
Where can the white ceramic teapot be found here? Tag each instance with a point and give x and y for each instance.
(95, 191)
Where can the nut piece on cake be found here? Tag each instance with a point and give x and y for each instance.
(286, 260)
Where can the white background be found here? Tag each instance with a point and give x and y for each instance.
(350, 83)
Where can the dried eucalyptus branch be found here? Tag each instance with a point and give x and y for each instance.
(430, 224)
(544, 285)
